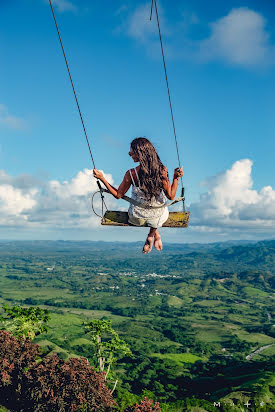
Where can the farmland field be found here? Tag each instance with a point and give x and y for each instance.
(183, 326)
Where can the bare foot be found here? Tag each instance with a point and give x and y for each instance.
(158, 243)
(148, 245)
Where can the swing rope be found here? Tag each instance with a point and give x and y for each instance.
(79, 111)
(101, 190)
(154, 3)
(144, 206)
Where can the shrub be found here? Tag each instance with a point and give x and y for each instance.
(71, 385)
(26, 322)
(50, 384)
(146, 405)
(16, 355)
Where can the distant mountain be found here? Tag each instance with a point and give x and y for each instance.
(222, 257)
(262, 253)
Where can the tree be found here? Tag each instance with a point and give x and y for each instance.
(25, 322)
(72, 385)
(124, 398)
(146, 405)
(108, 346)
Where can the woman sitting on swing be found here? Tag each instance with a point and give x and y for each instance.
(150, 184)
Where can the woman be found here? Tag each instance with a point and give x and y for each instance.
(150, 185)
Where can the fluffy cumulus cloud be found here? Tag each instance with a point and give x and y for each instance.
(229, 205)
(231, 202)
(239, 38)
(10, 121)
(27, 202)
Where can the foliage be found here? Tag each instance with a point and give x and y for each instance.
(191, 405)
(16, 355)
(192, 299)
(109, 347)
(26, 322)
(146, 405)
(124, 398)
(71, 385)
(51, 384)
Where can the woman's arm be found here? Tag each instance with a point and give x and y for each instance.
(123, 187)
(171, 190)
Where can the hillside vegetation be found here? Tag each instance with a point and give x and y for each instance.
(191, 315)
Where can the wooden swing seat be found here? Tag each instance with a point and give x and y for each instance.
(117, 218)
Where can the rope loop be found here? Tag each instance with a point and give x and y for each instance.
(92, 204)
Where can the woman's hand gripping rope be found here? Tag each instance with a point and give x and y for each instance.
(98, 174)
(178, 172)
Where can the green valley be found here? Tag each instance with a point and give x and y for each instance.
(199, 319)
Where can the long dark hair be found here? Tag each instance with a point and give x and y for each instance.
(150, 173)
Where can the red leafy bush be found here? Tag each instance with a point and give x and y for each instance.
(16, 355)
(51, 384)
(146, 405)
(71, 385)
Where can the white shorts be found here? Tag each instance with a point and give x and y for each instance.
(153, 222)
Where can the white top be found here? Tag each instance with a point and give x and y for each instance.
(139, 196)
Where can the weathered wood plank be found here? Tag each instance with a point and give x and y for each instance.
(117, 218)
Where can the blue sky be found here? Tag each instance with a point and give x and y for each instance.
(221, 66)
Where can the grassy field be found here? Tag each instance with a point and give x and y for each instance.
(180, 358)
(173, 311)
(257, 338)
(266, 353)
(175, 301)
(250, 291)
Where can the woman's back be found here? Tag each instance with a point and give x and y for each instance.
(150, 169)
(139, 196)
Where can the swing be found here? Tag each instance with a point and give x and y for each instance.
(119, 218)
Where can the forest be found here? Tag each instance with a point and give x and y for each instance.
(193, 326)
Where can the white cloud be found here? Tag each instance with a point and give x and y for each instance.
(64, 5)
(35, 204)
(239, 38)
(231, 202)
(139, 25)
(230, 206)
(11, 121)
(14, 201)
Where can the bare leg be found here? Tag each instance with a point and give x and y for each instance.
(157, 242)
(148, 245)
